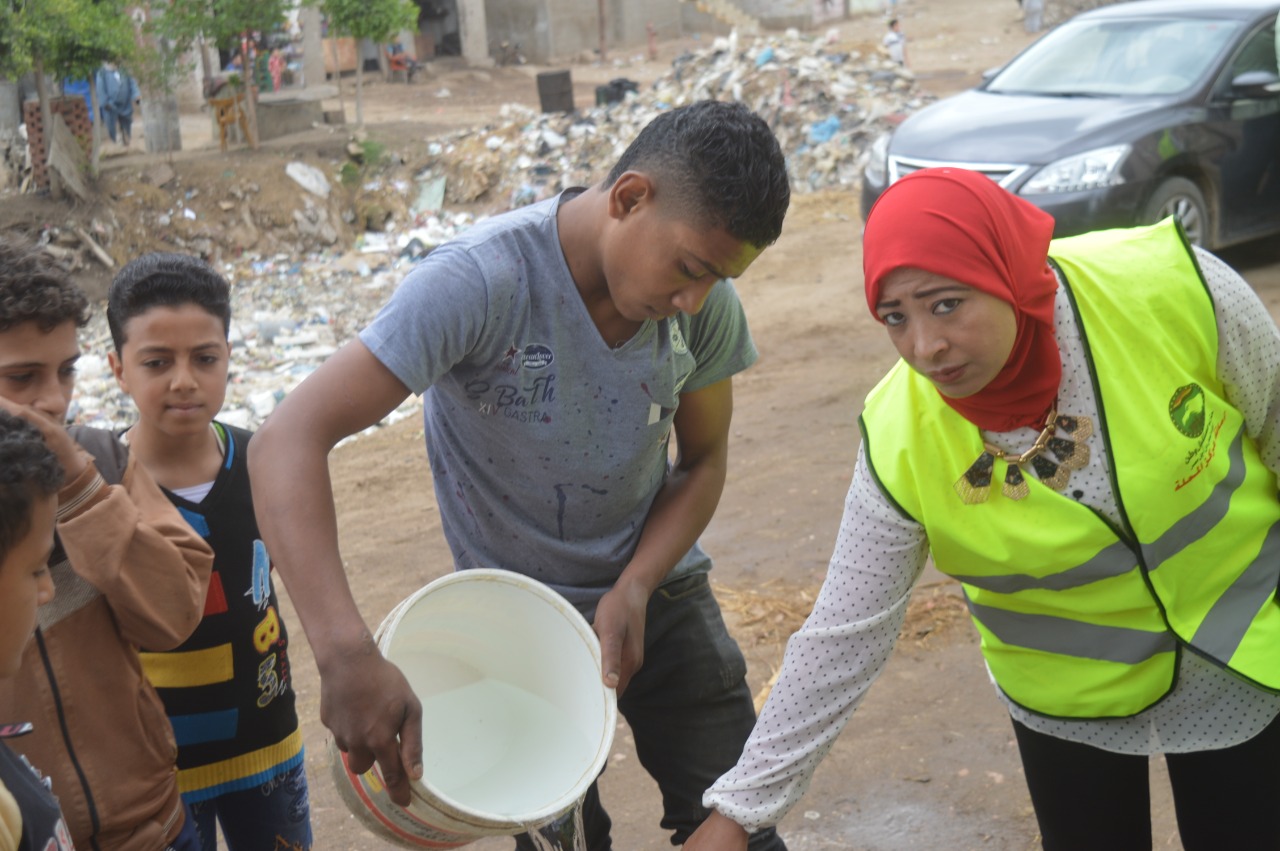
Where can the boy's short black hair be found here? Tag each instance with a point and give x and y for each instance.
(719, 164)
(28, 470)
(893, 22)
(34, 288)
(165, 280)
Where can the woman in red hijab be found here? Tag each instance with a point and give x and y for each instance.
(1085, 433)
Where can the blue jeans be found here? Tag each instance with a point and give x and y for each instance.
(272, 817)
(689, 709)
(187, 838)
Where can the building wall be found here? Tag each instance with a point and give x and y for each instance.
(630, 20)
(778, 14)
(572, 26)
(551, 30)
(522, 22)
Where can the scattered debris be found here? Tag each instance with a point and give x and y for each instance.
(159, 174)
(934, 609)
(309, 178)
(103, 257)
(287, 318)
(801, 84)
(300, 292)
(766, 613)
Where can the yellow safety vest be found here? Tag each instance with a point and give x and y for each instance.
(1078, 618)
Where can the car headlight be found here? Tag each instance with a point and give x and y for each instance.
(877, 169)
(1090, 170)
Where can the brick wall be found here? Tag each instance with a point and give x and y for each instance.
(73, 111)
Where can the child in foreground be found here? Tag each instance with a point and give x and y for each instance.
(128, 572)
(227, 690)
(30, 476)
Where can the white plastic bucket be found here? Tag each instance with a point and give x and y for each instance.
(516, 721)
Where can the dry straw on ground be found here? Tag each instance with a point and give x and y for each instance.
(769, 613)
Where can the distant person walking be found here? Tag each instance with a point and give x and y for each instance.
(117, 92)
(896, 43)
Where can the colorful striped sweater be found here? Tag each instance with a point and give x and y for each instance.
(227, 689)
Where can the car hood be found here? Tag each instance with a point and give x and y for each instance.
(981, 127)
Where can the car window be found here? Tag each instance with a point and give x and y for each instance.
(1155, 56)
(1258, 53)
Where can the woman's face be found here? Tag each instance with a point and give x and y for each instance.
(957, 337)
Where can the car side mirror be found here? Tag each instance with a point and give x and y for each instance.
(989, 73)
(1255, 84)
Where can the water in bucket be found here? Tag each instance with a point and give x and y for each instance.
(500, 738)
(516, 721)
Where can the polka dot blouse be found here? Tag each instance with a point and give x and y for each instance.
(833, 659)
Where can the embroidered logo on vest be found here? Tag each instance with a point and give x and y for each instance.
(1190, 414)
(1186, 410)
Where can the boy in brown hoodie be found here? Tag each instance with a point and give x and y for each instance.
(128, 571)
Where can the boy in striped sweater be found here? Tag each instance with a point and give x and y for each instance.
(228, 688)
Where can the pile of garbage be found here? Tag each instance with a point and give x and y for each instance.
(15, 160)
(306, 281)
(825, 105)
(288, 316)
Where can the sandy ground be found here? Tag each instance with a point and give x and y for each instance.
(928, 762)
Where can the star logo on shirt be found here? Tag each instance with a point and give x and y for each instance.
(511, 352)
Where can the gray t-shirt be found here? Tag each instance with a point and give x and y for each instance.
(547, 446)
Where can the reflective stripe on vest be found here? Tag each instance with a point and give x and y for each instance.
(1063, 601)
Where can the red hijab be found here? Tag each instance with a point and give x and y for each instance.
(961, 225)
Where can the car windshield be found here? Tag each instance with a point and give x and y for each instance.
(1110, 58)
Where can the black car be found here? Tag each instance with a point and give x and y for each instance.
(1121, 116)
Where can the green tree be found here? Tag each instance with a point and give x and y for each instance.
(103, 32)
(185, 24)
(376, 20)
(68, 39)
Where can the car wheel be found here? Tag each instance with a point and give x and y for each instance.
(1179, 197)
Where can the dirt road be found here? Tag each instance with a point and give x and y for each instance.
(928, 762)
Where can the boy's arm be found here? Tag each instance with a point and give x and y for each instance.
(365, 701)
(130, 543)
(679, 514)
(127, 541)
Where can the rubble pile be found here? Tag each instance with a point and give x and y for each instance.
(825, 106)
(225, 217)
(314, 244)
(288, 316)
(15, 161)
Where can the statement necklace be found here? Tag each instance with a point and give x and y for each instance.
(1062, 435)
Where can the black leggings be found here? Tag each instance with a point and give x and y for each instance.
(1088, 799)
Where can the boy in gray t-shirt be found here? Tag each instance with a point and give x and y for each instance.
(557, 348)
